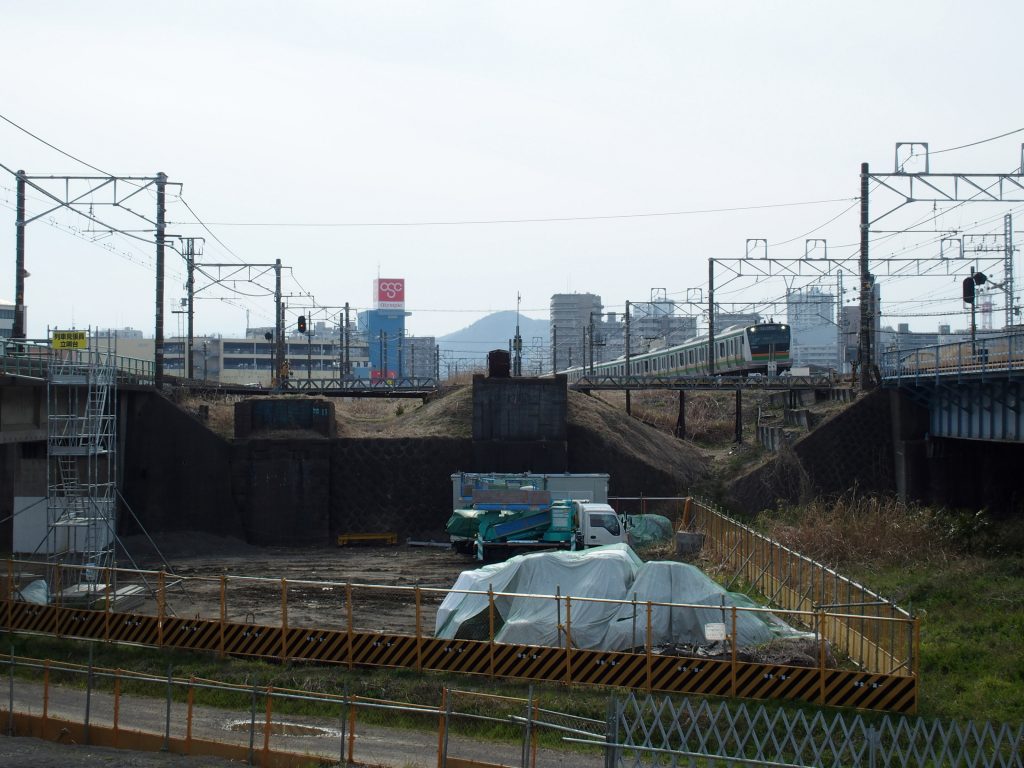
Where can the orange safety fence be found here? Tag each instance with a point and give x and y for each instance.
(392, 626)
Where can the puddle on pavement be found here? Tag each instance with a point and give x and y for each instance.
(283, 729)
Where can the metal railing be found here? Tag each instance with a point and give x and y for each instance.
(986, 355)
(344, 622)
(31, 358)
(262, 724)
(404, 383)
(872, 631)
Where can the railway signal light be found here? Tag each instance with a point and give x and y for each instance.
(978, 278)
(302, 323)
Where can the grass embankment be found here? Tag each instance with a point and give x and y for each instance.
(963, 573)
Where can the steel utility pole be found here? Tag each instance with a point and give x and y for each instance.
(19, 260)
(867, 283)
(554, 349)
(190, 286)
(161, 229)
(629, 369)
(591, 343)
(100, 191)
(711, 316)
(345, 367)
(517, 344)
(1008, 267)
(278, 324)
(974, 321)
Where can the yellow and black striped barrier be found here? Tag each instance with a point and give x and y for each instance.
(643, 671)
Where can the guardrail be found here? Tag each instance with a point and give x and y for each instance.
(872, 631)
(986, 355)
(392, 626)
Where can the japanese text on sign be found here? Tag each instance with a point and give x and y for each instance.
(68, 340)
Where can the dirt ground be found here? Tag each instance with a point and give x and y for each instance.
(314, 581)
(20, 752)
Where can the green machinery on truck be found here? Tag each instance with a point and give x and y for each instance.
(505, 514)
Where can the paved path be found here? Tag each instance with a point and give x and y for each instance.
(374, 745)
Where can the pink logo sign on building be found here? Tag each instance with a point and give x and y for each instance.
(389, 293)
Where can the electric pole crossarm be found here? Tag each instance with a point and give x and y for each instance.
(97, 184)
(59, 202)
(933, 266)
(886, 265)
(786, 266)
(888, 213)
(954, 187)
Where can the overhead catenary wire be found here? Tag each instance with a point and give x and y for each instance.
(207, 225)
(976, 143)
(533, 220)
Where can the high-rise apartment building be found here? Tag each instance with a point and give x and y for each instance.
(572, 315)
(814, 332)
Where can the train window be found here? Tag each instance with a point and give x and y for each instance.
(742, 340)
(721, 349)
(646, 366)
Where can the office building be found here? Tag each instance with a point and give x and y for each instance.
(815, 334)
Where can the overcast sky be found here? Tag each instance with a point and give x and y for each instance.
(374, 117)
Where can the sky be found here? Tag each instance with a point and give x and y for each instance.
(357, 140)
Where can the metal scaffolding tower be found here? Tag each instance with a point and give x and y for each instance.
(81, 467)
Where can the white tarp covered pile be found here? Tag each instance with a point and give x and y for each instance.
(613, 572)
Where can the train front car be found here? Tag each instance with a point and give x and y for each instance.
(769, 348)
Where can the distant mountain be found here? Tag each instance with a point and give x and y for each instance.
(470, 345)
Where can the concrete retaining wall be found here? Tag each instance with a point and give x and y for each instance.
(852, 449)
(176, 473)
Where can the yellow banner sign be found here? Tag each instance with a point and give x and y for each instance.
(69, 340)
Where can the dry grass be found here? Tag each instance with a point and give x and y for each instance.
(614, 428)
(710, 416)
(856, 530)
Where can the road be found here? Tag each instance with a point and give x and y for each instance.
(316, 736)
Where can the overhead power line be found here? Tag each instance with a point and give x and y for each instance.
(52, 146)
(537, 220)
(976, 143)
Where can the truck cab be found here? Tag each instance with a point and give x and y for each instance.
(598, 525)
